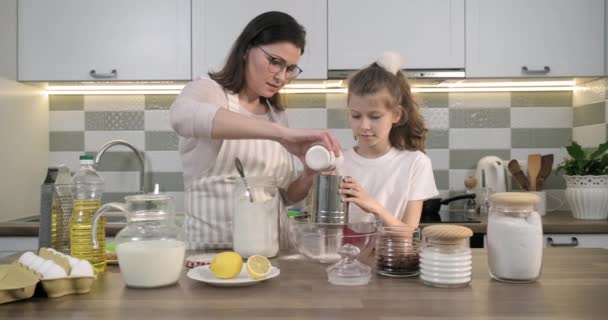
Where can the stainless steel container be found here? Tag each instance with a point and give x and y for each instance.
(327, 206)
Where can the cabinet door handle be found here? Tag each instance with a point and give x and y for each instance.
(112, 74)
(573, 243)
(544, 70)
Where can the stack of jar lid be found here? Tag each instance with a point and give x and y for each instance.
(445, 256)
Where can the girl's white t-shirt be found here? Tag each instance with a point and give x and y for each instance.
(393, 179)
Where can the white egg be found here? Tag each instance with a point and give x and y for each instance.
(36, 263)
(82, 269)
(54, 272)
(73, 261)
(27, 257)
(47, 264)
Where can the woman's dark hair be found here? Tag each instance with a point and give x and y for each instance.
(409, 132)
(267, 28)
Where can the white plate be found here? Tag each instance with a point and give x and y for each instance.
(203, 274)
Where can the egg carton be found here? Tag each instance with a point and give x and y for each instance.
(58, 274)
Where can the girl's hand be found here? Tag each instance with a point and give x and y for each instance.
(356, 194)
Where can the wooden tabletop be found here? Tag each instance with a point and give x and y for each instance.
(574, 285)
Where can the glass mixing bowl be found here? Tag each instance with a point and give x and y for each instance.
(321, 242)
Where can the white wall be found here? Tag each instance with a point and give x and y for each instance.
(23, 128)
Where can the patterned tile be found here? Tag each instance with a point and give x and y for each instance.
(116, 120)
(309, 100)
(457, 179)
(442, 179)
(121, 181)
(335, 100)
(118, 161)
(540, 138)
(167, 181)
(158, 101)
(94, 140)
(589, 114)
(345, 137)
(436, 118)
(437, 139)
(479, 118)
(307, 118)
(68, 158)
(479, 100)
(157, 120)
(161, 140)
(114, 103)
(163, 161)
(432, 99)
(440, 158)
(480, 138)
(541, 99)
(66, 102)
(541, 117)
(467, 159)
(337, 119)
(66, 141)
(590, 92)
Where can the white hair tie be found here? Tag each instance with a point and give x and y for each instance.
(390, 61)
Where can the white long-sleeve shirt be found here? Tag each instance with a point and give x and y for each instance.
(192, 116)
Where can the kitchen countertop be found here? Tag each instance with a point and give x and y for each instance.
(572, 286)
(553, 222)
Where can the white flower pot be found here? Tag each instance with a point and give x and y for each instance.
(587, 196)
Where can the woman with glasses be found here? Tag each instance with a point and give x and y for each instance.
(236, 113)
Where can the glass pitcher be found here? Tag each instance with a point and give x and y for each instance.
(151, 247)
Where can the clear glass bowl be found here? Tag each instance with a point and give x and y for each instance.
(321, 242)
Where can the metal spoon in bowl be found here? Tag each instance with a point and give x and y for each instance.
(239, 168)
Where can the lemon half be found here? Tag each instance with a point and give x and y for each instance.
(226, 265)
(258, 267)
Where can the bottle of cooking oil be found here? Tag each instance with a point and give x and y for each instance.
(87, 188)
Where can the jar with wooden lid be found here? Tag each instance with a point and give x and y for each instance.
(445, 256)
(515, 237)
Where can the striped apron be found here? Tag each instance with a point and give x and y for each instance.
(209, 202)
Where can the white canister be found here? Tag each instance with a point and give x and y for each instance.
(319, 158)
(515, 237)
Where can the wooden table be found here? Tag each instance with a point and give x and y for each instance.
(574, 285)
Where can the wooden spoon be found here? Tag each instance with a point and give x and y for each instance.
(518, 174)
(546, 165)
(534, 162)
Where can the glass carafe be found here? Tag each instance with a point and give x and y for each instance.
(151, 247)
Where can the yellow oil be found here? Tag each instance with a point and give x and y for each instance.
(81, 245)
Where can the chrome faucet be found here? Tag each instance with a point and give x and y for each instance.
(142, 176)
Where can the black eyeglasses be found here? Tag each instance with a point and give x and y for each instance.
(276, 65)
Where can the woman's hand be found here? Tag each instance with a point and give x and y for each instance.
(356, 194)
(297, 141)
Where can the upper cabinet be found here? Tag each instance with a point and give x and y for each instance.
(217, 23)
(429, 34)
(540, 38)
(75, 40)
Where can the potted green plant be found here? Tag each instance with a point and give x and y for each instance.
(586, 175)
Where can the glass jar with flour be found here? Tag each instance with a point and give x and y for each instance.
(255, 224)
(515, 237)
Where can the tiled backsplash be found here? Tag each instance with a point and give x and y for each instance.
(463, 128)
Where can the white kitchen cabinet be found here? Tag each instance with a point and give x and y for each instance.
(540, 38)
(576, 240)
(217, 23)
(75, 40)
(429, 34)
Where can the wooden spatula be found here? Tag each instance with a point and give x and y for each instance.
(520, 177)
(534, 162)
(546, 165)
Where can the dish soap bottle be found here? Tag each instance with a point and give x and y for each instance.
(87, 188)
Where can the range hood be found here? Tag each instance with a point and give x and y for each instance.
(411, 73)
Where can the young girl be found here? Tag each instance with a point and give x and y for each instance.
(389, 175)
